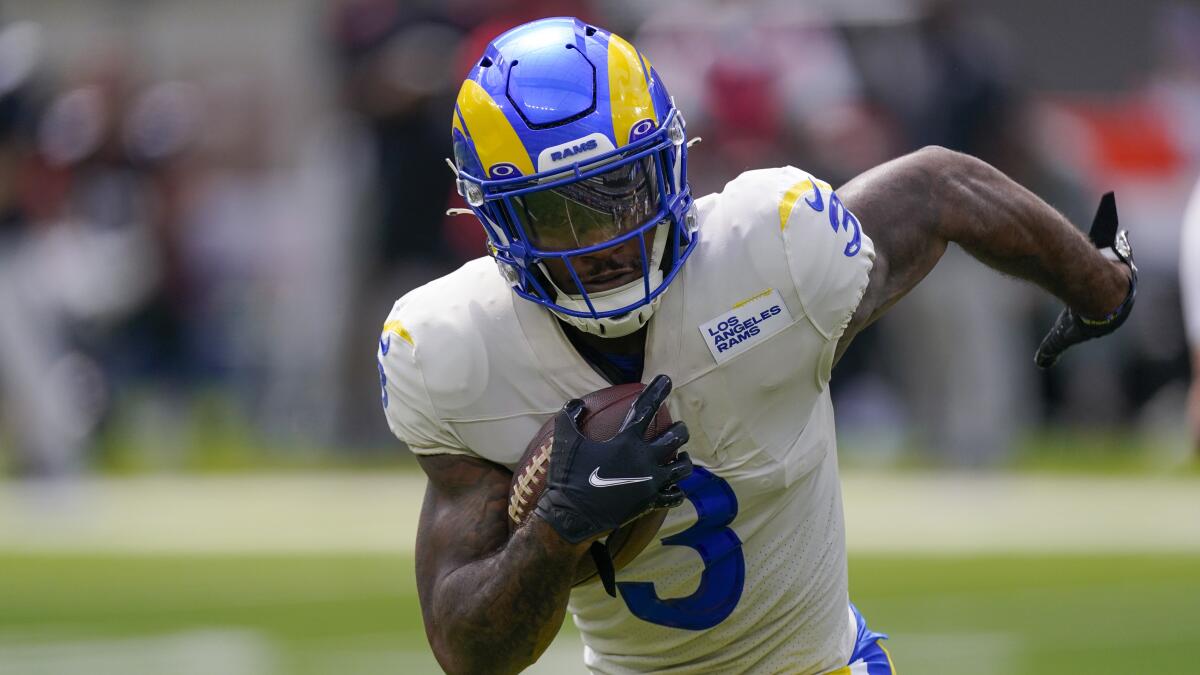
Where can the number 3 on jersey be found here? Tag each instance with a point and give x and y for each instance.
(724, 573)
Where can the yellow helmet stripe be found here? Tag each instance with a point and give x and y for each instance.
(495, 139)
(628, 89)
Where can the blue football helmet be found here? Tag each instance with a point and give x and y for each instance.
(567, 145)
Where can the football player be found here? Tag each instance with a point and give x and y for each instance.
(733, 307)
(1189, 286)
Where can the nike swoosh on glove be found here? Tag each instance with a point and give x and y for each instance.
(579, 508)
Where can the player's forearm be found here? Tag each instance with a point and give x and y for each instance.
(1012, 230)
(498, 614)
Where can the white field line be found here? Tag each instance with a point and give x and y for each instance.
(959, 653)
(920, 513)
(333, 513)
(237, 652)
(964, 513)
(230, 652)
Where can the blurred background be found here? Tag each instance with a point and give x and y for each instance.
(207, 209)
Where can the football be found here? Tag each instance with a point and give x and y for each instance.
(604, 411)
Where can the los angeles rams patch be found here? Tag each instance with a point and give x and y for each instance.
(748, 323)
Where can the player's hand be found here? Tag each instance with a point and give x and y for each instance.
(595, 487)
(1071, 328)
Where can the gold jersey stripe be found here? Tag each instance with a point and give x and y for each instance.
(398, 329)
(792, 197)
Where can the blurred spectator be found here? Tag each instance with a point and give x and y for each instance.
(79, 254)
(1140, 142)
(943, 77)
(36, 401)
(399, 68)
(187, 214)
(1175, 81)
(768, 84)
(395, 74)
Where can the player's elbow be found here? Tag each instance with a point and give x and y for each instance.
(933, 174)
(456, 661)
(936, 155)
(946, 165)
(958, 183)
(458, 656)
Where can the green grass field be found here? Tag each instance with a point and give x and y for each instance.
(312, 574)
(358, 614)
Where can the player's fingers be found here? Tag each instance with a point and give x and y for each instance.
(1055, 342)
(1046, 355)
(1046, 358)
(669, 441)
(677, 470)
(646, 406)
(566, 423)
(574, 410)
(669, 497)
(1104, 225)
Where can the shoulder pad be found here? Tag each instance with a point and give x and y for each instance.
(432, 361)
(828, 256)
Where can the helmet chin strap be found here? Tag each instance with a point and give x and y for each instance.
(614, 298)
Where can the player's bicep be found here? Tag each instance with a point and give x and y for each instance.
(463, 518)
(894, 206)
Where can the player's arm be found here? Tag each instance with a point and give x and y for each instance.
(913, 207)
(491, 604)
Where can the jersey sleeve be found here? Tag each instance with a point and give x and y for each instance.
(828, 256)
(407, 404)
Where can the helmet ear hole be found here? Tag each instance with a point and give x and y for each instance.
(485, 62)
(589, 31)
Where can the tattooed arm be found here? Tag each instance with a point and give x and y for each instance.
(913, 207)
(491, 604)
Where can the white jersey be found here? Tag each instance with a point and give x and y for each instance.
(750, 573)
(1189, 268)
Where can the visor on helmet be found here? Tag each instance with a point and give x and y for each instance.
(592, 211)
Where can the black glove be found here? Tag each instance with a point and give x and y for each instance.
(1071, 328)
(595, 487)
